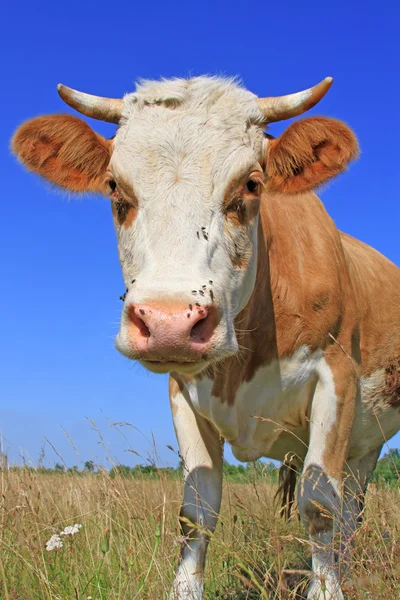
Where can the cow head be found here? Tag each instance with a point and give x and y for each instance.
(185, 173)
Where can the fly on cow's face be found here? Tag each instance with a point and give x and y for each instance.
(204, 232)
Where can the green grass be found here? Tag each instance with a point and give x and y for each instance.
(129, 542)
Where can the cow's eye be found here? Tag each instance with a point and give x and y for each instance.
(113, 185)
(252, 186)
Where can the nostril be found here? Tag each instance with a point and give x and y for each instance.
(144, 330)
(201, 330)
(196, 331)
(136, 317)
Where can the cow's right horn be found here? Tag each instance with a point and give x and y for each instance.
(285, 107)
(97, 107)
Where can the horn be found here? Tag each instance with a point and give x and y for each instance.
(97, 107)
(285, 107)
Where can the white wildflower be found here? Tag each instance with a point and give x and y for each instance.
(54, 543)
(71, 529)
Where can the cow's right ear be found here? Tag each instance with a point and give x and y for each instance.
(309, 153)
(64, 150)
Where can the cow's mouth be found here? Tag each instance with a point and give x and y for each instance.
(184, 367)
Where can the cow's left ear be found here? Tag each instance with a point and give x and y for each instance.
(309, 153)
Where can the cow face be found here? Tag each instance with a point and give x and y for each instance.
(186, 176)
(185, 173)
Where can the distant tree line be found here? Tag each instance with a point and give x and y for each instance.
(387, 470)
(239, 473)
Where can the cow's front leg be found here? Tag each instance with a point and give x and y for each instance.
(320, 489)
(201, 451)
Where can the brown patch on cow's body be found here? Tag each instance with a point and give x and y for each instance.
(345, 372)
(318, 287)
(296, 271)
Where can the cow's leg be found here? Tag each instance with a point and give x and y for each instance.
(319, 495)
(201, 451)
(357, 474)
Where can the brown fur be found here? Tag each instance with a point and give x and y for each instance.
(294, 233)
(309, 153)
(64, 150)
(124, 203)
(123, 212)
(318, 287)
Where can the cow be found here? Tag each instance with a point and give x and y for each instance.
(280, 333)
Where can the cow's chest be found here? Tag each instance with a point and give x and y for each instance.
(270, 413)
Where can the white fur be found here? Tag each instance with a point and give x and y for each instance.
(179, 145)
(201, 451)
(276, 403)
(375, 420)
(290, 405)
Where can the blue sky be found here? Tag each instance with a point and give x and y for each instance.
(61, 279)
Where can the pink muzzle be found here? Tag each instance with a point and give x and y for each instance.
(171, 332)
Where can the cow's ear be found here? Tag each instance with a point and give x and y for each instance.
(309, 153)
(64, 150)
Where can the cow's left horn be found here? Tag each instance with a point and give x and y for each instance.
(97, 107)
(292, 105)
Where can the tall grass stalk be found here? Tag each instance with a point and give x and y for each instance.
(130, 539)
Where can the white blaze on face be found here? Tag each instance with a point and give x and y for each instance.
(181, 147)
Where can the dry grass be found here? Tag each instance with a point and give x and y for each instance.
(129, 541)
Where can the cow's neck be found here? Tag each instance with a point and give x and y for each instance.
(255, 328)
(296, 238)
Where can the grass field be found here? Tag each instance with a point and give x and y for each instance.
(129, 541)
